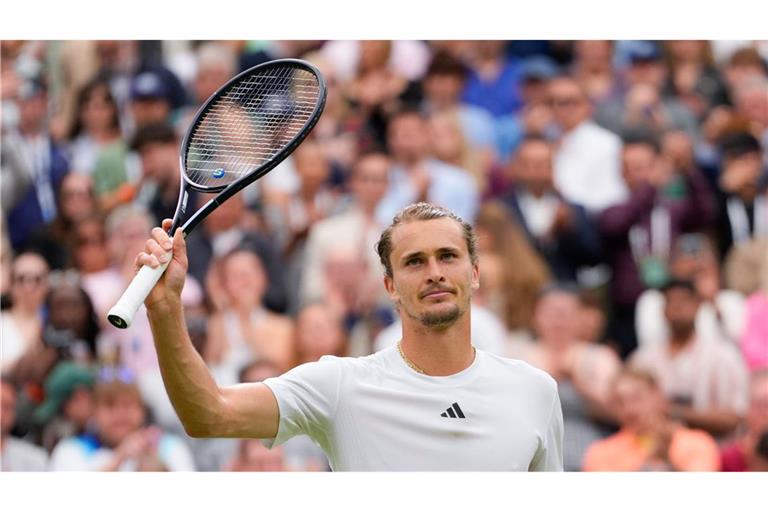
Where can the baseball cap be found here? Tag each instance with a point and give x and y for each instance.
(148, 85)
(642, 51)
(538, 68)
(65, 378)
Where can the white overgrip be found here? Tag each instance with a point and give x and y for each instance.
(121, 315)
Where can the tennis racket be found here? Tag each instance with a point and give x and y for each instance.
(242, 132)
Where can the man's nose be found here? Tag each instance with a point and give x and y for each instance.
(434, 271)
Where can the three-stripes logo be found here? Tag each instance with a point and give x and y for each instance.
(454, 411)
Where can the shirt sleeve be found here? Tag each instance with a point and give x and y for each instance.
(549, 456)
(306, 397)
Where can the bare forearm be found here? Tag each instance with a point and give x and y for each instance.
(191, 388)
(715, 421)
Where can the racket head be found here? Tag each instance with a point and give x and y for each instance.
(251, 124)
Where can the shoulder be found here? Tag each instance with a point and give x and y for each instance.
(519, 372)
(446, 171)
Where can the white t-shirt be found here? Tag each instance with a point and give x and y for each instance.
(375, 413)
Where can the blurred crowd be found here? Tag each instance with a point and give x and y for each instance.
(619, 190)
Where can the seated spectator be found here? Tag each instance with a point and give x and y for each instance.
(244, 329)
(558, 229)
(121, 439)
(76, 202)
(89, 246)
(644, 105)
(493, 82)
(443, 85)
(722, 312)
(648, 439)
(95, 129)
(127, 228)
(749, 452)
(319, 332)
(340, 266)
(588, 157)
(22, 324)
(692, 76)
(33, 166)
(507, 291)
(157, 146)
(754, 340)
(640, 232)
(743, 204)
(584, 371)
(592, 318)
(68, 405)
(416, 176)
(16, 454)
(704, 380)
(593, 68)
(450, 146)
(232, 226)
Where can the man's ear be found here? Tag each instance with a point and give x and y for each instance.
(389, 285)
(475, 277)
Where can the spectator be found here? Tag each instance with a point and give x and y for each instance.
(693, 77)
(744, 199)
(754, 341)
(561, 231)
(416, 176)
(16, 454)
(340, 265)
(751, 104)
(749, 452)
(76, 202)
(319, 332)
(593, 69)
(640, 231)
(158, 148)
(244, 330)
(584, 371)
(89, 246)
(233, 226)
(588, 157)
(648, 439)
(95, 131)
(121, 439)
(535, 117)
(705, 381)
(443, 85)
(449, 145)
(643, 105)
(494, 79)
(508, 291)
(150, 101)
(721, 314)
(68, 405)
(33, 166)
(592, 318)
(127, 228)
(22, 324)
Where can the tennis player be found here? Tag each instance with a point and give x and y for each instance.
(432, 403)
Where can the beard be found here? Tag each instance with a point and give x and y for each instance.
(441, 319)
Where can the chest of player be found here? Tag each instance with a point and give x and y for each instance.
(441, 429)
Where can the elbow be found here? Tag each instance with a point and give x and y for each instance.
(196, 431)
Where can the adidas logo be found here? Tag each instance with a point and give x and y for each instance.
(454, 411)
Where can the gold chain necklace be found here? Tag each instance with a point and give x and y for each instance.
(414, 366)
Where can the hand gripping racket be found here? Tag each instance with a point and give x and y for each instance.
(242, 132)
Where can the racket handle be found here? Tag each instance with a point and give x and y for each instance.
(121, 315)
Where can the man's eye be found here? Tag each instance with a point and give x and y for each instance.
(412, 262)
(448, 256)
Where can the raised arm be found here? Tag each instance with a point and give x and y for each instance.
(205, 409)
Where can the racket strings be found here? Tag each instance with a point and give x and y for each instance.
(249, 124)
